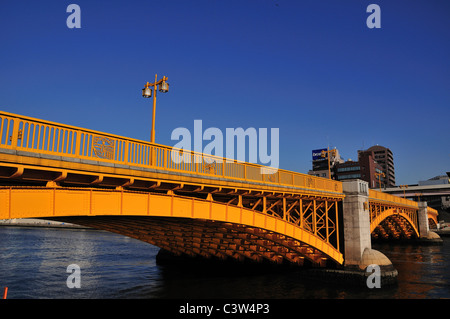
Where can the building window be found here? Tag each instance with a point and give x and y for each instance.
(349, 169)
(351, 176)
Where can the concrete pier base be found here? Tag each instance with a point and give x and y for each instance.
(362, 275)
(432, 238)
(374, 266)
(360, 259)
(425, 235)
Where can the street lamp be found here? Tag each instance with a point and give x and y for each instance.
(379, 178)
(418, 196)
(404, 187)
(147, 93)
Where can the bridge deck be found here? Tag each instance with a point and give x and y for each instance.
(72, 155)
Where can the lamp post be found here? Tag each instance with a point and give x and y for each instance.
(379, 178)
(404, 187)
(327, 154)
(147, 93)
(418, 196)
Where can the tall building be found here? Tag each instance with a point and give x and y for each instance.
(366, 169)
(320, 164)
(372, 164)
(385, 158)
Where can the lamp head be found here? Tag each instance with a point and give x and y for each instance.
(164, 87)
(147, 92)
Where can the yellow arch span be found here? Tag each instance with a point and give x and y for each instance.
(432, 215)
(389, 212)
(42, 202)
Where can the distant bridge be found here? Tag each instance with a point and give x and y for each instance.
(210, 207)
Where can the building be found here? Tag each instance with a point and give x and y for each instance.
(385, 158)
(375, 166)
(320, 163)
(348, 170)
(366, 169)
(435, 191)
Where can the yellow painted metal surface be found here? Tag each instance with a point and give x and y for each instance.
(284, 202)
(432, 215)
(43, 137)
(26, 202)
(391, 199)
(408, 215)
(383, 205)
(392, 216)
(249, 197)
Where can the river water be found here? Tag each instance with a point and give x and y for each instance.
(34, 261)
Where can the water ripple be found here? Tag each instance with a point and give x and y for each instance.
(33, 264)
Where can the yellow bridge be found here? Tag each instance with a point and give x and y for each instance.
(206, 206)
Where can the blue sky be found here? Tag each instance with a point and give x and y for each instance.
(313, 69)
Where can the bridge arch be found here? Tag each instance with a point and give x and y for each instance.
(432, 215)
(394, 223)
(183, 225)
(432, 223)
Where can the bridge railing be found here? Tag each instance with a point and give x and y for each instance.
(32, 135)
(391, 199)
(388, 198)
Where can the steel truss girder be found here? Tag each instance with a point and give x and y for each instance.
(317, 215)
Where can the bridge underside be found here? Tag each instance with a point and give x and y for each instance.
(208, 239)
(389, 221)
(188, 225)
(432, 222)
(394, 227)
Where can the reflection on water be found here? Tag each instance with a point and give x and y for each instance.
(424, 271)
(33, 263)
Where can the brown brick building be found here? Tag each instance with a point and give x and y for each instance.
(385, 158)
(365, 168)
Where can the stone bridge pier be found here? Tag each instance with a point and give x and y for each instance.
(425, 234)
(358, 252)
